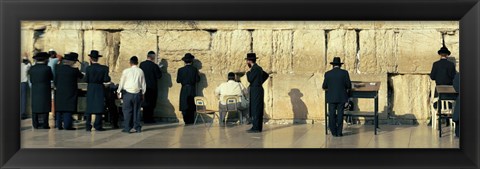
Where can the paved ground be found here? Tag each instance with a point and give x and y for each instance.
(175, 135)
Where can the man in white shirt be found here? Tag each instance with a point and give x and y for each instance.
(229, 88)
(132, 87)
(24, 67)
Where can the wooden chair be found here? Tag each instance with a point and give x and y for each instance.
(201, 109)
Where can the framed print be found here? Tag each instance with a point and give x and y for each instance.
(190, 84)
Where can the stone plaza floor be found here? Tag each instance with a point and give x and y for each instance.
(177, 135)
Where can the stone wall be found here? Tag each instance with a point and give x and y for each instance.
(398, 54)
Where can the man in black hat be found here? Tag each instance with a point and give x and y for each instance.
(40, 77)
(188, 76)
(95, 77)
(443, 71)
(337, 83)
(152, 74)
(66, 94)
(256, 77)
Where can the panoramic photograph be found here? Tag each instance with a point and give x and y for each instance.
(239, 84)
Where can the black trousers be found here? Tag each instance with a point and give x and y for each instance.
(188, 116)
(256, 107)
(149, 104)
(335, 117)
(98, 121)
(457, 128)
(35, 120)
(64, 119)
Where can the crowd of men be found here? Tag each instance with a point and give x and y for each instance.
(56, 78)
(138, 88)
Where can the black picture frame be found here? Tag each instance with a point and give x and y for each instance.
(14, 11)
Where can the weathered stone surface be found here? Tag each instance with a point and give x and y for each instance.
(35, 25)
(339, 24)
(229, 48)
(27, 39)
(282, 51)
(308, 51)
(342, 43)
(96, 40)
(417, 25)
(377, 52)
(298, 97)
(135, 43)
(452, 42)
(63, 41)
(411, 96)
(184, 40)
(271, 25)
(417, 50)
(263, 48)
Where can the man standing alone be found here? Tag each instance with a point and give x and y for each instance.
(188, 76)
(152, 73)
(134, 86)
(256, 77)
(337, 83)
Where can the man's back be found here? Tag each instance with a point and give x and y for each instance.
(229, 88)
(337, 82)
(151, 72)
(443, 72)
(188, 75)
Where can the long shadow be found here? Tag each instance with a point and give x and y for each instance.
(164, 106)
(299, 108)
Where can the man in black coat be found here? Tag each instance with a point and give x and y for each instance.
(96, 75)
(337, 84)
(256, 77)
(188, 76)
(152, 73)
(40, 77)
(443, 71)
(66, 94)
(456, 110)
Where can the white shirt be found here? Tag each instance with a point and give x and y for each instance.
(133, 80)
(229, 88)
(24, 71)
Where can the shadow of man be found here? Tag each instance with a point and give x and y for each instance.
(165, 107)
(299, 108)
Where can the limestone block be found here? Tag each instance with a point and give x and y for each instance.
(282, 51)
(339, 25)
(263, 48)
(411, 96)
(452, 43)
(27, 42)
(342, 43)
(217, 25)
(35, 25)
(96, 40)
(417, 50)
(112, 25)
(377, 52)
(271, 25)
(308, 51)
(135, 43)
(298, 96)
(229, 48)
(63, 41)
(417, 25)
(183, 40)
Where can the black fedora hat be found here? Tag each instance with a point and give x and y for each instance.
(251, 56)
(94, 54)
(71, 56)
(41, 56)
(336, 61)
(444, 50)
(188, 57)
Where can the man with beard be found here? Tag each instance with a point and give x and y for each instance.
(256, 77)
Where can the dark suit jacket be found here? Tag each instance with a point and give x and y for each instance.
(66, 83)
(188, 76)
(443, 72)
(40, 77)
(95, 77)
(151, 72)
(337, 82)
(456, 86)
(256, 76)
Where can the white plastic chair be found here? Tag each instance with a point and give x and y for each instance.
(444, 110)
